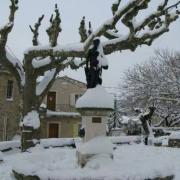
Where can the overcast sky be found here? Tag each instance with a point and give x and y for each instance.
(72, 11)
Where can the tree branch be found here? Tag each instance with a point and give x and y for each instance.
(110, 24)
(9, 62)
(6, 29)
(54, 29)
(132, 41)
(35, 31)
(82, 30)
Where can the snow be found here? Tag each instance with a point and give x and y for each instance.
(131, 162)
(56, 142)
(43, 106)
(17, 64)
(112, 33)
(77, 47)
(77, 61)
(127, 119)
(95, 98)
(59, 48)
(5, 145)
(45, 81)
(101, 57)
(65, 114)
(38, 48)
(97, 145)
(125, 139)
(52, 142)
(32, 120)
(175, 135)
(116, 40)
(37, 63)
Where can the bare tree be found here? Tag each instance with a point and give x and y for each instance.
(48, 61)
(156, 83)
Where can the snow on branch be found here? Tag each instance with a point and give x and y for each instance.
(40, 62)
(8, 61)
(111, 23)
(49, 75)
(115, 6)
(140, 33)
(6, 29)
(144, 32)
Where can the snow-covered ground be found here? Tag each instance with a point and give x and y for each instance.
(134, 162)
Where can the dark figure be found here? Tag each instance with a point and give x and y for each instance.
(146, 121)
(92, 70)
(81, 132)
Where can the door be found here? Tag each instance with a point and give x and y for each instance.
(51, 100)
(53, 130)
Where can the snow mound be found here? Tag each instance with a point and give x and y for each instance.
(5, 145)
(135, 162)
(97, 145)
(99, 161)
(96, 98)
(32, 119)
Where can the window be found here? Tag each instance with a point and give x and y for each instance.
(73, 98)
(9, 93)
(51, 100)
(77, 96)
(96, 120)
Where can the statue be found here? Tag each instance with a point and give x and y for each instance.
(146, 122)
(93, 69)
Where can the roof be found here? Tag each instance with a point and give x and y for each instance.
(71, 80)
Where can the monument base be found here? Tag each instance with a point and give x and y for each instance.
(97, 146)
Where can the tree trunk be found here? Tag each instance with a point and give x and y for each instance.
(30, 136)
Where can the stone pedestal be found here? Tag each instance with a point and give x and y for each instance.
(94, 122)
(94, 107)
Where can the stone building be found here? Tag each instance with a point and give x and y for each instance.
(61, 118)
(10, 101)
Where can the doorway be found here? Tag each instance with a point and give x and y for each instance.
(53, 130)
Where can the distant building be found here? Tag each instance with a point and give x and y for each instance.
(61, 118)
(10, 101)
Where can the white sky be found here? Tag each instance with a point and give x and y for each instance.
(71, 13)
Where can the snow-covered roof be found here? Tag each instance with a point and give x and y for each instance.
(62, 114)
(96, 98)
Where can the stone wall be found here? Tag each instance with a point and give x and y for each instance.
(9, 108)
(67, 126)
(66, 89)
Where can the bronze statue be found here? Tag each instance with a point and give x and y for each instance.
(93, 69)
